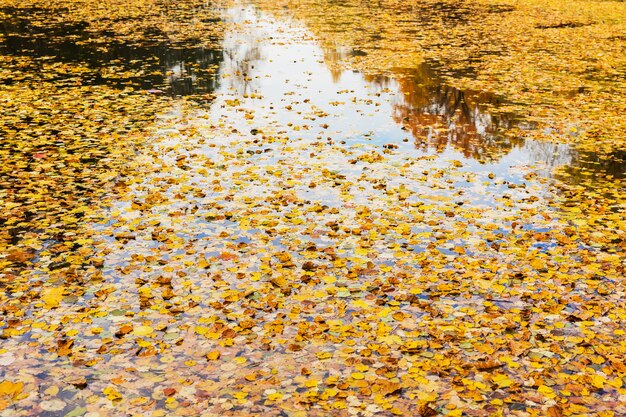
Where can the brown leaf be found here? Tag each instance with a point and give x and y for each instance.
(226, 256)
(20, 255)
(387, 387)
(518, 348)
(229, 333)
(488, 365)
(124, 330)
(294, 347)
(78, 381)
(555, 411)
(426, 411)
(64, 347)
(309, 266)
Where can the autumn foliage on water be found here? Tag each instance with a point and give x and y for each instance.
(312, 208)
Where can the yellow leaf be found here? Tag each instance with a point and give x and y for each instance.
(502, 381)
(329, 279)
(52, 296)
(361, 251)
(537, 263)
(275, 396)
(11, 389)
(142, 330)
(547, 391)
(112, 394)
(201, 330)
(616, 382)
(240, 395)
(339, 405)
(330, 392)
(52, 391)
(311, 383)
(213, 355)
(360, 304)
(324, 355)
(598, 381)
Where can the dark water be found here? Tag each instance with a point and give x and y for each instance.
(176, 70)
(612, 165)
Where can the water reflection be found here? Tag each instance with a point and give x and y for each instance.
(596, 167)
(439, 116)
(154, 64)
(297, 83)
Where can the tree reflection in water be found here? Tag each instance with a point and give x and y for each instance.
(439, 116)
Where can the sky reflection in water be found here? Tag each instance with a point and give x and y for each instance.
(298, 81)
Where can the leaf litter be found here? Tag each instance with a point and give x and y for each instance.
(303, 240)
